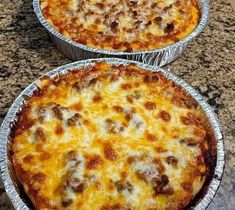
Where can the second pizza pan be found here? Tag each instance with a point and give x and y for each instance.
(158, 57)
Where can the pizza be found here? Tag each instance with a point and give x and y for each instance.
(123, 25)
(110, 137)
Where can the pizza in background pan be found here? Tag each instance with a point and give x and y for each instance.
(123, 25)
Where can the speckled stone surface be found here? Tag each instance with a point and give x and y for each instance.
(208, 65)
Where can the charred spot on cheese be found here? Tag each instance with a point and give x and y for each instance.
(66, 202)
(109, 152)
(94, 161)
(150, 105)
(169, 28)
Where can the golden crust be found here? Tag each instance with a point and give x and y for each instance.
(123, 25)
(128, 136)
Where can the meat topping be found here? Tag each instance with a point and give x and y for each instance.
(74, 120)
(122, 185)
(165, 116)
(113, 127)
(150, 105)
(94, 162)
(109, 152)
(171, 160)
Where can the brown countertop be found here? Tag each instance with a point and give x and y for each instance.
(208, 65)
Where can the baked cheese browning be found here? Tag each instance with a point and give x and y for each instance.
(123, 25)
(110, 137)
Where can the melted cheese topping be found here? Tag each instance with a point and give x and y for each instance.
(123, 25)
(110, 137)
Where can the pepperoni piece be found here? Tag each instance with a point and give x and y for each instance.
(165, 116)
(150, 105)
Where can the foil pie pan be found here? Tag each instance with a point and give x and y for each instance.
(158, 57)
(14, 189)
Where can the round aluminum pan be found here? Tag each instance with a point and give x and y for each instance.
(211, 124)
(158, 57)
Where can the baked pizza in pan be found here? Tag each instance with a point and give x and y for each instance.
(110, 137)
(123, 25)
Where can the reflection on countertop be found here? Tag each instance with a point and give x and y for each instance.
(208, 65)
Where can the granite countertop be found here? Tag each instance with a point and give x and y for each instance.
(208, 65)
